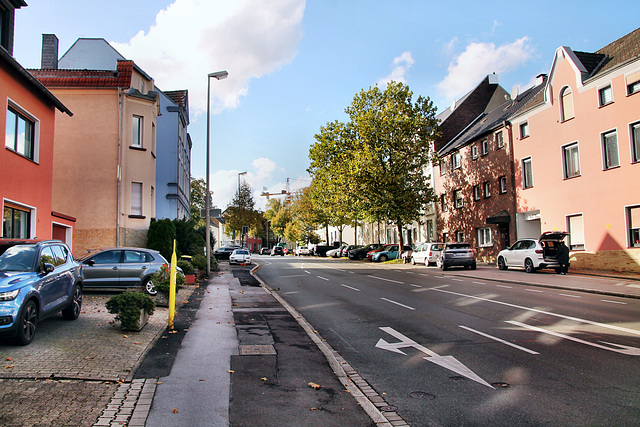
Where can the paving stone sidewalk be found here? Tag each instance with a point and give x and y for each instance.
(73, 370)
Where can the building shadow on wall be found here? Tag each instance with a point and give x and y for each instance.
(610, 255)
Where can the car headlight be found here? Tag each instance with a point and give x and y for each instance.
(9, 296)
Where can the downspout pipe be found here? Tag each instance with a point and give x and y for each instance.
(119, 168)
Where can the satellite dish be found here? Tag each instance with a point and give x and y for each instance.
(514, 93)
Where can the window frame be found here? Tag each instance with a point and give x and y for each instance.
(443, 202)
(634, 140)
(476, 192)
(29, 221)
(524, 129)
(484, 144)
(527, 183)
(632, 82)
(486, 186)
(137, 137)
(633, 233)
(502, 184)
(483, 233)
(456, 161)
(458, 199)
(601, 101)
(133, 209)
(459, 236)
(474, 152)
(580, 245)
(565, 165)
(566, 94)
(605, 152)
(34, 127)
(499, 139)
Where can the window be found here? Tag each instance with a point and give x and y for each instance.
(430, 230)
(46, 256)
(136, 257)
(487, 189)
(476, 192)
(633, 83)
(443, 202)
(484, 237)
(16, 222)
(524, 130)
(445, 237)
(566, 103)
(503, 184)
(456, 161)
(136, 131)
(153, 138)
(610, 150)
(474, 152)
(576, 232)
(605, 95)
(457, 197)
(635, 142)
(527, 173)
(20, 134)
(459, 236)
(136, 198)
(633, 220)
(485, 147)
(499, 140)
(571, 160)
(443, 167)
(107, 257)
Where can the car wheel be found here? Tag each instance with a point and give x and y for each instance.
(149, 287)
(413, 261)
(444, 267)
(528, 266)
(360, 257)
(383, 258)
(473, 266)
(501, 264)
(73, 310)
(27, 324)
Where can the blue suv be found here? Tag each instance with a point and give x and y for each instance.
(37, 280)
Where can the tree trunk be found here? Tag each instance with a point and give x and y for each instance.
(401, 238)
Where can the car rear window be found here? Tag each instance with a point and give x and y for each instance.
(459, 246)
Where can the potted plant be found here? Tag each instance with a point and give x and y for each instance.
(187, 269)
(163, 285)
(132, 309)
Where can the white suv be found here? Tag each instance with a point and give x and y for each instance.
(427, 253)
(533, 254)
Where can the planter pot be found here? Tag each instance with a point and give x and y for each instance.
(161, 300)
(142, 320)
(190, 279)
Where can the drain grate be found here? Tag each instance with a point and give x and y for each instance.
(257, 350)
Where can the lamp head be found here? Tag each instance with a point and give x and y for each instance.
(219, 75)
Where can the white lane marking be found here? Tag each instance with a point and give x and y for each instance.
(533, 290)
(576, 319)
(448, 362)
(613, 302)
(386, 280)
(499, 340)
(479, 283)
(624, 349)
(295, 275)
(457, 280)
(350, 287)
(292, 292)
(323, 278)
(503, 286)
(397, 303)
(570, 296)
(307, 272)
(415, 286)
(425, 275)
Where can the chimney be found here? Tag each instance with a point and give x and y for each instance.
(49, 52)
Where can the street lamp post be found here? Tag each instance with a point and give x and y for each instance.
(218, 75)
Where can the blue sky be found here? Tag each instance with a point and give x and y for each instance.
(295, 65)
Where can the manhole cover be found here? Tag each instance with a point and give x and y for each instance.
(500, 385)
(388, 408)
(421, 395)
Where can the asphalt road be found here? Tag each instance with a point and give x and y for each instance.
(445, 349)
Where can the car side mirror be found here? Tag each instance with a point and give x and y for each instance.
(90, 262)
(47, 268)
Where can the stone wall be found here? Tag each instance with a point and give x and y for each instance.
(626, 260)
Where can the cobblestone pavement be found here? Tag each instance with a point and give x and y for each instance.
(73, 369)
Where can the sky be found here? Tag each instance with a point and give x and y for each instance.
(295, 65)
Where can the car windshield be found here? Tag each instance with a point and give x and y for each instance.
(459, 246)
(18, 258)
(242, 252)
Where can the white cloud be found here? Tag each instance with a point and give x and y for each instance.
(480, 59)
(192, 38)
(401, 65)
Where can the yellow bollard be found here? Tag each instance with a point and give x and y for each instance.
(172, 287)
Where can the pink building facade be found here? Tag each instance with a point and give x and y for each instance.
(577, 156)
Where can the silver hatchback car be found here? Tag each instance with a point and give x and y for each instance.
(122, 268)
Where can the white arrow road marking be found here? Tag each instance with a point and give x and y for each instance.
(448, 362)
(624, 349)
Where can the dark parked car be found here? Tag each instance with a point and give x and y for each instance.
(265, 251)
(223, 252)
(122, 268)
(457, 254)
(37, 280)
(277, 250)
(361, 253)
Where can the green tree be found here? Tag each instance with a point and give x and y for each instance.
(242, 212)
(374, 166)
(160, 236)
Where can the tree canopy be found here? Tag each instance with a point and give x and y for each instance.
(242, 212)
(374, 166)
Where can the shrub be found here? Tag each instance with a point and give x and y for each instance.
(161, 279)
(186, 267)
(127, 305)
